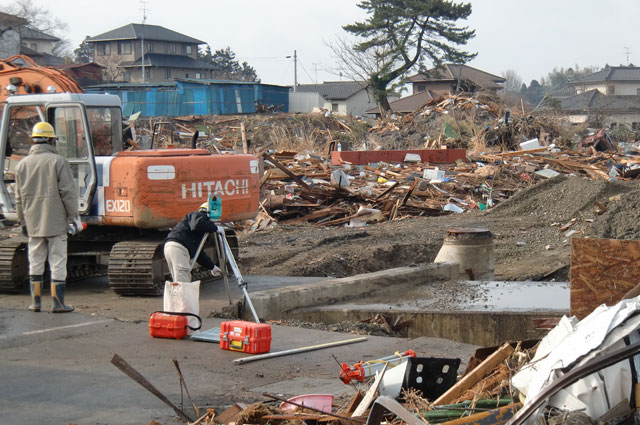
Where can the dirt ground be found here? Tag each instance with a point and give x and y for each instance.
(528, 241)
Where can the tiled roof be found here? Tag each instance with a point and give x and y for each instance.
(614, 73)
(409, 103)
(451, 72)
(149, 32)
(334, 90)
(170, 61)
(593, 100)
(29, 32)
(7, 20)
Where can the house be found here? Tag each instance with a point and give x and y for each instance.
(446, 80)
(87, 74)
(167, 54)
(601, 110)
(340, 97)
(614, 80)
(455, 78)
(10, 35)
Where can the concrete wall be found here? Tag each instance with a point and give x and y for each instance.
(275, 304)
(625, 88)
(304, 102)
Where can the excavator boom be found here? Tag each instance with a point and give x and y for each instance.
(27, 77)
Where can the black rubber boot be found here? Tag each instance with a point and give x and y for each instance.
(57, 295)
(35, 284)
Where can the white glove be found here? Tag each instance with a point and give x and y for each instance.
(215, 272)
(77, 226)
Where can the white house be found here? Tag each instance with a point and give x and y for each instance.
(614, 80)
(350, 98)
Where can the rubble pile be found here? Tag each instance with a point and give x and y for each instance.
(468, 122)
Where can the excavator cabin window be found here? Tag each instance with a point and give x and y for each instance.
(106, 130)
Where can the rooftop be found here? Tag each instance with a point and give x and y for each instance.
(452, 72)
(334, 90)
(614, 73)
(408, 104)
(149, 32)
(596, 101)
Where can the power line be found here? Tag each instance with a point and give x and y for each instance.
(305, 69)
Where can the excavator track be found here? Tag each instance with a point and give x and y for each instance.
(14, 269)
(137, 268)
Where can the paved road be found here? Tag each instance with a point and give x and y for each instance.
(56, 369)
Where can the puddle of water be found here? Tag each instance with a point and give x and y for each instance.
(490, 296)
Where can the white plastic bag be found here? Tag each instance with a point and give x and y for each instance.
(183, 297)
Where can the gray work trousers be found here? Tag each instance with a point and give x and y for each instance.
(179, 261)
(53, 249)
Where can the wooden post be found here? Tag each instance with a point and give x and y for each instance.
(243, 133)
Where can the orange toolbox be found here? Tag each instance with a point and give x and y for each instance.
(247, 337)
(165, 324)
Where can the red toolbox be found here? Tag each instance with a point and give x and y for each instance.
(164, 324)
(248, 337)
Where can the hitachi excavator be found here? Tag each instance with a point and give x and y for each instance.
(21, 75)
(128, 198)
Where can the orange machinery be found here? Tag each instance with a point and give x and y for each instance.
(129, 199)
(24, 76)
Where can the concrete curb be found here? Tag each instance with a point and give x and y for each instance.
(270, 305)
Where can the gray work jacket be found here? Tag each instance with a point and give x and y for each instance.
(46, 194)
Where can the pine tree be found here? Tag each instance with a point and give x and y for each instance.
(402, 34)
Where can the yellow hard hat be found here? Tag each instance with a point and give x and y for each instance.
(43, 129)
(204, 206)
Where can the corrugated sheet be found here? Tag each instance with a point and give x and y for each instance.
(192, 97)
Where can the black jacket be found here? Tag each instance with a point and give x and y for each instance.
(189, 233)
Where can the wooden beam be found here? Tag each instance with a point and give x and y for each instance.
(476, 375)
(286, 171)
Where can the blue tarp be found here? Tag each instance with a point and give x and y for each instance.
(194, 97)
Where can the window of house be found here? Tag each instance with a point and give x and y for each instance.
(186, 49)
(334, 107)
(611, 89)
(124, 47)
(637, 91)
(166, 47)
(149, 47)
(34, 46)
(126, 76)
(167, 73)
(198, 75)
(186, 75)
(421, 87)
(635, 126)
(104, 49)
(170, 47)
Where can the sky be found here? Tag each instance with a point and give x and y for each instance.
(527, 36)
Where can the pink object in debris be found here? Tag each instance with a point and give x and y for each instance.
(317, 401)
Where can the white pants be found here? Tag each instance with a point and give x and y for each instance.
(179, 261)
(53, 249)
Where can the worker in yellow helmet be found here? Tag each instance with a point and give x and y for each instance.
(46, 202)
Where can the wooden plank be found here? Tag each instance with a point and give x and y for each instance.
(434, 156)
(286, 171)
(497, 416)
(370, 395)
(602, 272)
(473, 377)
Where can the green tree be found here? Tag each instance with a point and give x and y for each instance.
(84, 52)
(402, 34)
(227, 66)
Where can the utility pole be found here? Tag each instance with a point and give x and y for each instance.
(295, 70)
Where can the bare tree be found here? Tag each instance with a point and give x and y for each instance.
(41, 19)
(113, 68)
(513, 83)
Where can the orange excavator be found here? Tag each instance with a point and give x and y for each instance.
(21, 75)
(128, 198)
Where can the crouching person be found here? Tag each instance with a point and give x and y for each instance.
(182, 244)
(46, 202)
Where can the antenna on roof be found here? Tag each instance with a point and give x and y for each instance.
(143, 7)
(627, 51)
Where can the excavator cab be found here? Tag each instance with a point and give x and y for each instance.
(85, 125)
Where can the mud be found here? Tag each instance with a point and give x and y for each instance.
(528, 243)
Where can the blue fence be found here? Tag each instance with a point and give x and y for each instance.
(201, 97)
